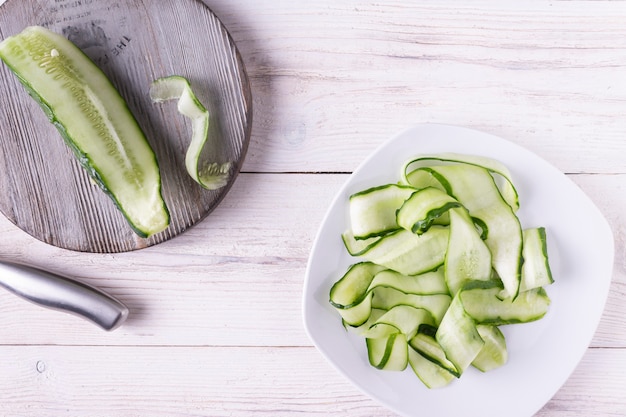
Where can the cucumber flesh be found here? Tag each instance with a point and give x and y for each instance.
(422, 208)
(403, 319)
(373, 211)
(483, 302)
(475, 188)
(458, 336)
(468, 257)
(388, 353)
(432, 375)
(408, 253)
(386, 298)
(536, 268)
(357, 247)
(94, 120)
(210, 175)
(353, 294)
(497, 169)
(425, 343)
(422, 178)
(427, 283)
(493, 354)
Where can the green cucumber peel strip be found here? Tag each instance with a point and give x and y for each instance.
(210, 175)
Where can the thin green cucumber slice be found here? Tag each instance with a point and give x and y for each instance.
(536, 267)
(432, 375)
(357, 247)
(468, 257)
(387, 297)
(458, 336)
(375, 314)
(401, 318)
(422, 208)
(493, 354)
(475, 189)
(210, 175)
(421, 178)
(408, 253)
(496, 168)
(483, 302)
(350, 295)
(351, 289)
(388, 353)
(432, 282)
(373, 211)
(94, 121)
(425, 343)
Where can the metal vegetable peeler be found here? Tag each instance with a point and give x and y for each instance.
(63, 293)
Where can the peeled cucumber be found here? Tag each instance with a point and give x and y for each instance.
(94, 120)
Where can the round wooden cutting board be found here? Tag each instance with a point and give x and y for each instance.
(44, 190)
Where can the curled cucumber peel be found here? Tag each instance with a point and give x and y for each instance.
(210, 175)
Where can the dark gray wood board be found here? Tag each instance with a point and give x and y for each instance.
(44, 190)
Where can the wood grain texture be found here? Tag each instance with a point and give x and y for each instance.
(351, 74)
(46, 192)
(215, 326)
(218, 381)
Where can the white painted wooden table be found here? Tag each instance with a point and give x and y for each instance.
(215, 326)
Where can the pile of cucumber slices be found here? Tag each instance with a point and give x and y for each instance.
(441, 261)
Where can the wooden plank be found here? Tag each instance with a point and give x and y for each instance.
(216, 381)
(250, 264)
(539, 74)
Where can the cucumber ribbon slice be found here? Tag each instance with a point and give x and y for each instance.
(210, 175)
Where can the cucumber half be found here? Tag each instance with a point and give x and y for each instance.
(94, 120)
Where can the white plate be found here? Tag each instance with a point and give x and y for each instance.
(543, 354)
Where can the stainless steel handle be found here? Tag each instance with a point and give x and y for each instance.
(62, 293)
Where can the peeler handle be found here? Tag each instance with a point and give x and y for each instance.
(61, 293)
